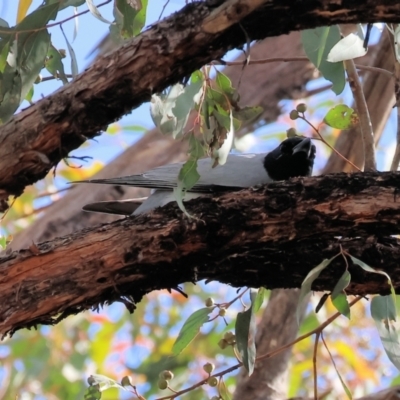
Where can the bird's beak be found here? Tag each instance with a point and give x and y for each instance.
(304, 146)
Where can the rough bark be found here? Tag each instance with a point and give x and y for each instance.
(35, 140)
(270, 236)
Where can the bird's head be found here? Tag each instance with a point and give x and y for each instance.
(293, 157)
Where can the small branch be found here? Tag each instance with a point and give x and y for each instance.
(365, 120)
(316, 130)
(317, 331)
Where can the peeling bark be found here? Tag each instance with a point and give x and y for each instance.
(270, 236)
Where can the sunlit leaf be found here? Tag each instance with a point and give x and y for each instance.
(367, 268)
(188, 174)
(190, 329)
(74, 63)
(383, 311)
(54, 64)
(93, 393)
(339, 298)
(245, 331)
(225, 84)
(258, 301)
(340, 117)
(247, 114)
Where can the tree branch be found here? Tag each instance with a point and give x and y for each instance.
(36, 139)
(270, 236)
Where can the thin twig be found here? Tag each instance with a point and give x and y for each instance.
(363, 113)
(319, 329)
(325, 142)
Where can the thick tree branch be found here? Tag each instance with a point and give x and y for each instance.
(270, 236)
(35, 140)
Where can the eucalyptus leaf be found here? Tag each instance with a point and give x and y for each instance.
(190, 329)
(307, 283)
(340, 117)
(317, 44)
(383, 311)
(245, 331)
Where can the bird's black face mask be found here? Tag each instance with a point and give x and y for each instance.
(293, 157)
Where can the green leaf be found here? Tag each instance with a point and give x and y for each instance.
(186, 101)
(74, 63)
(27, 51)
(339, 298)
(32, 52)
(11, 86)
(170, 111)
(4, 50)
(29, 95)
(188, 174)
(258, 301)
(245, 331)
(307, 283)
(225, 84)
(130, 19)
(217, 97)
(93, 393)
(383, 311)
(190, 329)
(341, 304)
(340, 117)
(367, 268)
(317, 44)
(247, 114)
(54, 64)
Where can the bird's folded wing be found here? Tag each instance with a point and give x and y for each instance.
(240, 171)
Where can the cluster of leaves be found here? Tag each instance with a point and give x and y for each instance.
(218, 117)
(26, 48)
(383, 308)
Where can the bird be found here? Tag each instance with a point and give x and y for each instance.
(293, 157)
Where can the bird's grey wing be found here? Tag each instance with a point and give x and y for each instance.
(240, 171)
(117, 207)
